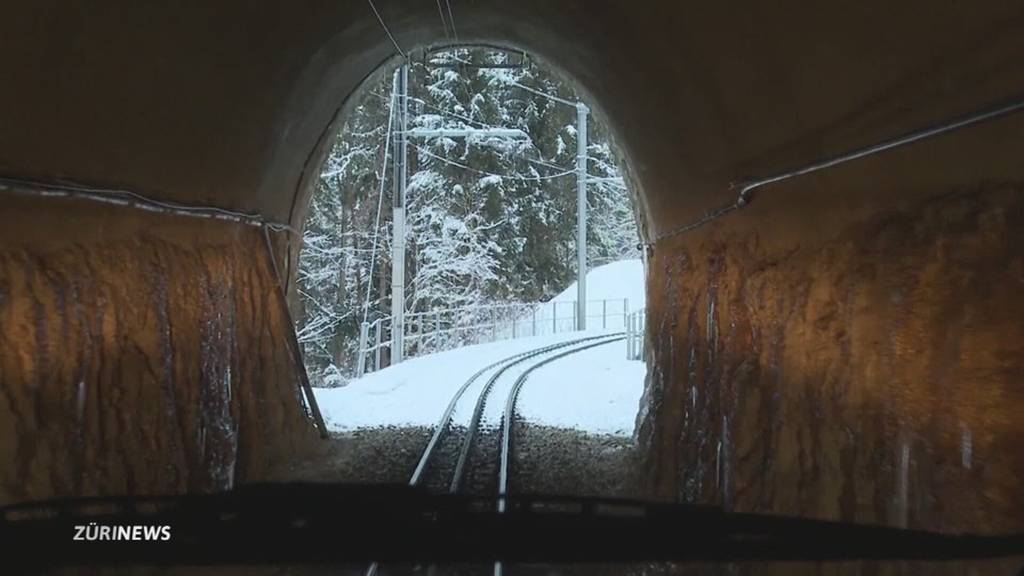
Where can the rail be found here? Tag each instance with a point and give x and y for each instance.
(508, 420)
(445, 427)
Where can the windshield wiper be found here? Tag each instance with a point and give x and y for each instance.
(337, 523)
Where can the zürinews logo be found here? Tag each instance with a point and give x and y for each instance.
(94, 532)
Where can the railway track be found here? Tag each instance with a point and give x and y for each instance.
(471, 453)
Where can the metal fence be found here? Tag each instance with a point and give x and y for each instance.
(435, 330)
(635, 329)
(370, 348)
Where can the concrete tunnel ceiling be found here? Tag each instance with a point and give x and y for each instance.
(878, 300)
(225, 105)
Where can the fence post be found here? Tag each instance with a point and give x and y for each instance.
(633, 318)
(494, 325)
(376, 363)
(625, 311)
(640, 337)
(634, 324)
(515, 321)
(554, 317)
(604, 313)
(534, 333)
(629, 336)
(636, 334)
(364, 329)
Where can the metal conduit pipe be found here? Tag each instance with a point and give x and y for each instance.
(747, 188)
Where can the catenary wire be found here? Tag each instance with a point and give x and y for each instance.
(386, 30)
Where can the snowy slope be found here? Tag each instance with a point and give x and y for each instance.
(607, 288)
(597, 390)
(622, 279)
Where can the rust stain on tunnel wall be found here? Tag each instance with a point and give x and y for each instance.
(863, 364)
(139, 352)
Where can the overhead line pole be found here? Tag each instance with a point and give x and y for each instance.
(581, 200)
(398, 228)
(402, 135)
(398, 221)
(581, 215)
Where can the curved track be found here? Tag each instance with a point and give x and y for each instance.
(505, 459)
(509, 415)
(470, 455)
(465, 456)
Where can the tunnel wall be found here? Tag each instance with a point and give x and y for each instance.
(139, 353)
(850, 345)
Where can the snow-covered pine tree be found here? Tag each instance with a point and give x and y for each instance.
(490, 219)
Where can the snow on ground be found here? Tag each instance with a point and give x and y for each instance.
(416, 391)
(622, 279)
(597, 390)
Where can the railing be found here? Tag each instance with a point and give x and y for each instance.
(436, 330)
(379, 342)
(635, 328)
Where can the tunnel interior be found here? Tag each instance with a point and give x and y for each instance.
(847, 345)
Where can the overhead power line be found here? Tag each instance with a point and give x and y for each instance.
(380, 201)
(451, 18)
(544, 94)
(563, 169)
(549, 164)
(444, 23)
(486, 173)
(465, 132)
(440, 110)
(386, 30)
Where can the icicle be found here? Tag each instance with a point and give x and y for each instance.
(80, 399)
(718, 465)
(965, 446)
(724, 444)
(903, 486)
